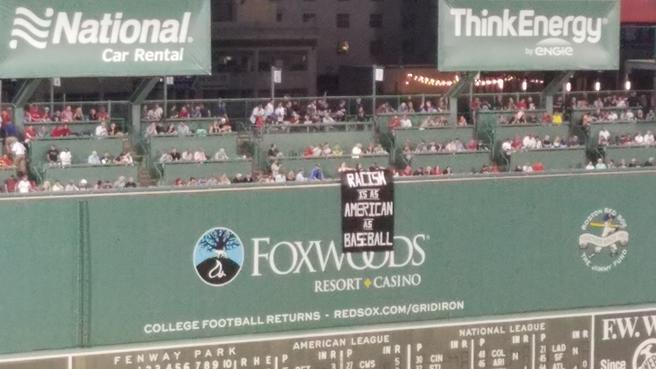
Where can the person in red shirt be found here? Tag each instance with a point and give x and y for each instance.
(35, 114)
(30, 134)
(102, 114)
(395, 122)
(10, 184)
(538, 167)
(61, 131)
(184, 113)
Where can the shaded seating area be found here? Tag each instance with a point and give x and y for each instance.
(185, 170)
(91, 173)
(552, 159)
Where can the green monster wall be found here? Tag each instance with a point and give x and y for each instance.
(104, 270)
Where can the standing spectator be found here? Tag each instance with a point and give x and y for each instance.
(18, 151)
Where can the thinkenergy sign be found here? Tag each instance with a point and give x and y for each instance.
(70, 38)
(528, 35)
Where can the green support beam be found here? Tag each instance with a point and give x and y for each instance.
(22, 98)
(466, 79)
(137, 100)
(554, 87)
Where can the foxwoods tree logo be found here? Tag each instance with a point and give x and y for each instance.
(218, 256)
(604, 243)
(644, 356)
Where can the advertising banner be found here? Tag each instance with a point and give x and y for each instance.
(81, 38)
(196, 264)
(367, 211)
(499, 35)
(623, 339)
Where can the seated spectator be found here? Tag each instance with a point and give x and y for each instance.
(120, 182)
(57, 187)
(273, 151)
(67, 115)
(124, 158)
(94, 159)
(130, 183)
(30, 134)
(78, 115)
(165, 158)
(102, 114)
(101, 130)
(338, 151)
(221, 155)
(395, 123)
(60, 131)
(71, 187)
(114, 130)
(107, 159)
(187, 155)
(152, 129)
(214, 128)
(600, 164)
(316, 174)
(356, 151)
(183, 129)
(462, 122)
(65, 158)
(93, 115)
(648, 138)
(405, 122)
(200, 156)
(24, 185)
(175, 155)
(52, 155)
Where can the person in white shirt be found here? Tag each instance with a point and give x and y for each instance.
(280, 113)
(221, 155)
(405, 122)
(93, 159)
(71, 187)
(18, 151)
(57, 187)
(590, 166)
(300, 177)
(639, 139)
(199, 156)
(356, 151)
(649, 138)
(65, 158)
(101, 130)
(604, 136)
(187, 155)
(24, 185)
(600, 164)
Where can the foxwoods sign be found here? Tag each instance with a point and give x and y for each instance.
(528, 35)
(69, 38)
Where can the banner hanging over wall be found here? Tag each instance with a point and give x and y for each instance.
(486, 35)
(367, 211)
(81, 38)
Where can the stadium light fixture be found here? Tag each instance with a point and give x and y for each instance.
(627, 84)
(524, 85)
(500, 83)
(597, 86)
(568, 86)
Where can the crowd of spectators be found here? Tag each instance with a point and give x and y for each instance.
(450, 147)
(602, 164)
(626, 139)
(37, 114)
(198, 155)
(63, 158)
(219, 126)
(535, 142)
(22, 184)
